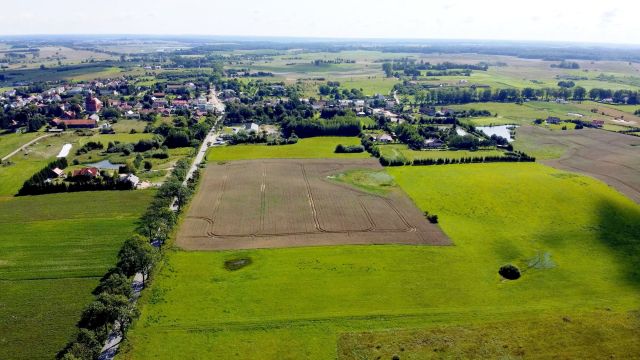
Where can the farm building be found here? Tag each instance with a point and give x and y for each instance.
(90, 172)
(130, 178)
(384, 138)
(433, 143)
(58, 172)
(252, 127)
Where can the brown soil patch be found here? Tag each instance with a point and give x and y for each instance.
(611, 114)
(285, 203)
(611, 157)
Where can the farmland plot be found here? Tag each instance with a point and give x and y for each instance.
(282, 203)
(610, 157)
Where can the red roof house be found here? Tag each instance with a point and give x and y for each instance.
(87, 172)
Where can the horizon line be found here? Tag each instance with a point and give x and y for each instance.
(313, 38)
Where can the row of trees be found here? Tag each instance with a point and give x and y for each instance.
(112, 308)
(337, 126)
(508, 157)
(462, 95)
(97, 184)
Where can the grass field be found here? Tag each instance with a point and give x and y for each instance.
(53, 250)
(310, 148)
(575, 239)
(10, 142)
(509, 113)
(505, 340)
(370, 85)
(402, 151)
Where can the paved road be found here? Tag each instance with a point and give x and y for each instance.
(25, 145)
(202, 152)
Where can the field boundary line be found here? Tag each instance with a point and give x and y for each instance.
(311, 202)
(263, 200)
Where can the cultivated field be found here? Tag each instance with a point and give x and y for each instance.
(283, 203)
(53, 251)
(610, 157)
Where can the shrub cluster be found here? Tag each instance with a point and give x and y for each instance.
(349, 149)
(337, 126)
(91, 145)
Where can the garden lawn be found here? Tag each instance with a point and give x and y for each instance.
(309, 148)
(574, 238)
(53, 251)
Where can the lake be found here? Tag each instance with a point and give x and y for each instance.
(500, 130)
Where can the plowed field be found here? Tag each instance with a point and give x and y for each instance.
(283, 203)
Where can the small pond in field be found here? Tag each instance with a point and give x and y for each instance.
(105, 165)
(499, 130)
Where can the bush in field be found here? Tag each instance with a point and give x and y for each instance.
(509, 272)
(431, 217)
(349, 149)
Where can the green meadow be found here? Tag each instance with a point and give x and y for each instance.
(403, 151)
(574, 238)
(310, 148)
(510, 113)
(53, 251)
(11, 142)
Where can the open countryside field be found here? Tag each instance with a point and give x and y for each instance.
(403, 151)
(311, 148)
(610, 157)
(510, 113)
(11, 142)
(53, 251)
(294, 203)
(198, 309)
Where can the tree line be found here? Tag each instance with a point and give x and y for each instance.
(112, 308)
(426, 95)
(337, 126)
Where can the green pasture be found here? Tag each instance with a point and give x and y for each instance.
(574, 238)
(309, 148)
(402, 151)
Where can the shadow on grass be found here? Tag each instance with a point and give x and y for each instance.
(619, 229)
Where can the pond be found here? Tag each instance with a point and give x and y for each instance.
(500, 130)
(105, 165)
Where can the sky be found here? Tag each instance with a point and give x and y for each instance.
(545, 20)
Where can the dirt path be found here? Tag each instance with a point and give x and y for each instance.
(25, 146)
